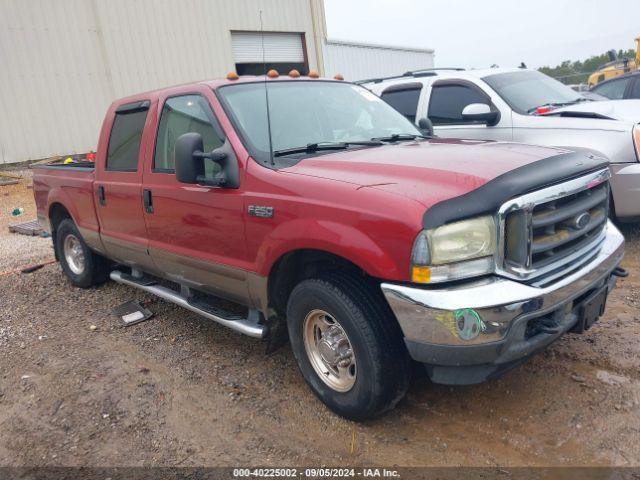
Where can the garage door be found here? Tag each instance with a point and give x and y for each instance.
(282, 51)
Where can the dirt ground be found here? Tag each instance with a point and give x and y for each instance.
(180, 390)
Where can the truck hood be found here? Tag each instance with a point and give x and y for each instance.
(425, 171)
(625, 110)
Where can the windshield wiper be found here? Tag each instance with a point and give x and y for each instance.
(315, 147)
(398, 137)
(558, 104)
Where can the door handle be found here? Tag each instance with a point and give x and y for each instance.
(101, 196)
(148, 201)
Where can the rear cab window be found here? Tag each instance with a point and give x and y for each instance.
(126, 134)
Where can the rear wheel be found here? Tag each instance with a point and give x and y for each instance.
(348, 345)
(80, 264)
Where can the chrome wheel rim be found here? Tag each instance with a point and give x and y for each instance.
(329, 350)
(74, 254)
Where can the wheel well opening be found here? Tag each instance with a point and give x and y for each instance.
(294, 267)
(57, 213)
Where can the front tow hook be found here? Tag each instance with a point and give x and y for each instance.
(620, 272)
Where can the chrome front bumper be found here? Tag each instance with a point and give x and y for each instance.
(438, 323)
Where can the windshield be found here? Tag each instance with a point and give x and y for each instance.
(526, 90)
(309, 112)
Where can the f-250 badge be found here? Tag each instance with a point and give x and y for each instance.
(260, 211)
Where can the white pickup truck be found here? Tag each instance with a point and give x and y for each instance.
(514, 104)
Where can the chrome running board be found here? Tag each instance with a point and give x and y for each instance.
(247, 326)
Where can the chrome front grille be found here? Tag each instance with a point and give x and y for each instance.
(549, 232)
(562, 226)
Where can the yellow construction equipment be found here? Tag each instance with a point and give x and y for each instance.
(618, 66)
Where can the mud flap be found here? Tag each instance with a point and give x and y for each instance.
(277, 334)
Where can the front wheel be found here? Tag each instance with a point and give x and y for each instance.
(348, 345)
(80, 264)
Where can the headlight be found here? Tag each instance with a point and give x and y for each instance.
(458, 250)
(636, 139)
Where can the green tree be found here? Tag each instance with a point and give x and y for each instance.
(571, 72)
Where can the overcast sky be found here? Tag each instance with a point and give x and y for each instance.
(478, 33)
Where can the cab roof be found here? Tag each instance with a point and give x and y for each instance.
(221, 82)
(441, 72)
(217, 83)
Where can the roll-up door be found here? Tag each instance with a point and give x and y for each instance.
(281, 51)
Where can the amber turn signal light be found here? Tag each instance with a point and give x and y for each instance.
(420, 274)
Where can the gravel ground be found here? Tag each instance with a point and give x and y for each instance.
(179, 390)
(17, 250)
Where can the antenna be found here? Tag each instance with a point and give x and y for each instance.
(266, 90)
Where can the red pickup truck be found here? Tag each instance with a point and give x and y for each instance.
(329, 218)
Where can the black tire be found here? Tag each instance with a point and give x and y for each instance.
(383, 364)
(96, 268)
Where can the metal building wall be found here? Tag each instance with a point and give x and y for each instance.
(62, 62)
(358, 61)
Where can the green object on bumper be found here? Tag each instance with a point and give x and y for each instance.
(468, 323)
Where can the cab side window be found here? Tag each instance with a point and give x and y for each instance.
(613, 89)
(635, 91)
(126, 134)
(404, 99)
(186, 114)
(447, 102)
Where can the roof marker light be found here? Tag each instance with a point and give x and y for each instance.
(273, 73)
(232, 76)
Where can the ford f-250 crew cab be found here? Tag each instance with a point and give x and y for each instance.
(330, 219)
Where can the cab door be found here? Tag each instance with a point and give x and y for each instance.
(118, 184)
(196, 233)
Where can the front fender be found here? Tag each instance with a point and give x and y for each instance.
(338, 239)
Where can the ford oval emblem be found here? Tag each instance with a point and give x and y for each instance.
(582, 220)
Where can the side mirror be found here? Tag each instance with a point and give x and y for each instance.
(190, 160)
(480, 112)
(426, 126)
(189, 166)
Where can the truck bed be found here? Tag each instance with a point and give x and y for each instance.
(65, 166)
(70, 185)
